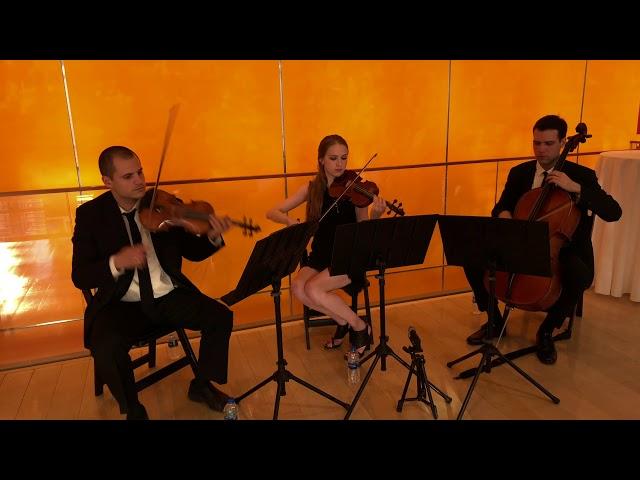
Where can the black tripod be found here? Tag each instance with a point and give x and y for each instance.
(380, 244)
(423, 384)
(476, 241)
(564, 335)
(272, 258)
(282, 375)
(488, 350)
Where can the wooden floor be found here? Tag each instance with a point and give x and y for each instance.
(597, 375)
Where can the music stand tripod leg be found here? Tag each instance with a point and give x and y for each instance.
(406, 388)
(282, 375)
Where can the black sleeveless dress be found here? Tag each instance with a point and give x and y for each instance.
(322, 243)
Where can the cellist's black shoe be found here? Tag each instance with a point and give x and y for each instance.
(546, 349)
(477, 337)
(137, 412)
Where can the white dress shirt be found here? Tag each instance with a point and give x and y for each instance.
(539, 176)
(160, 281)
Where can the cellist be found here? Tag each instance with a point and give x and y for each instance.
(576, 256)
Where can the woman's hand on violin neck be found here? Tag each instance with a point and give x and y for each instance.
(218, 226)
(378, 206)
(130, 257)
(561, 180)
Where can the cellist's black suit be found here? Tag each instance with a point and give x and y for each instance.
(576, 257)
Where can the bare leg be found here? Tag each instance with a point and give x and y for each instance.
(298, 285)
(319, 290)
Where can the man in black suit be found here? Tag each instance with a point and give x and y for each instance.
(140, 284)
(576, 257)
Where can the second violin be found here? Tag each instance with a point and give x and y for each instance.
(360, 192)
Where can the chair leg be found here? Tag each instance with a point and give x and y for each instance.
(578, 312)
(367, 309)
(570, 326)
(152, 353)
(305, 316)
(188, 350)
(98, 384)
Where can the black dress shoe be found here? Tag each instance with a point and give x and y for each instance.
(137, 412)
(546, 349)
(214, 398)
(479, 335)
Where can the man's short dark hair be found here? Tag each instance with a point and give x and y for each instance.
(105, 160)
(552, 122)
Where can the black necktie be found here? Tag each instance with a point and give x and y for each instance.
(544, 177)
(144, 279)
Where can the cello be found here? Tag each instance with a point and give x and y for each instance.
(557, 207)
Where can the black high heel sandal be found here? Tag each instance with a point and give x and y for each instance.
(341, 331)
(361, 338)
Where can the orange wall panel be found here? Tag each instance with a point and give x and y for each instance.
(454, 278)
(395, 108)
(35, 129)
(611, 102)
(471, 189)
(494, 104)
(421, 191)
(228, 122)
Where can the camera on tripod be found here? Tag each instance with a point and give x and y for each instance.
(418, 369)
(416, 344)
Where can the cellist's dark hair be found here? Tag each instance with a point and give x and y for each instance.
(552, 122)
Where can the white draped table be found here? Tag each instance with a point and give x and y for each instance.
(616, 245)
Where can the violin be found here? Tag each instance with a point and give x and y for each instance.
(170, 211)
(359, 192)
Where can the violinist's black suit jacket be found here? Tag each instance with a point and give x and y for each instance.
(100, 232)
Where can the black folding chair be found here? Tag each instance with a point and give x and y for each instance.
(150, 339)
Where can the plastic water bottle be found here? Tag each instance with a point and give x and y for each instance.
(353, 367)
(172, 346)
(230, 410)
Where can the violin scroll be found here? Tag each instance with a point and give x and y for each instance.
(247, 225)
(396, 209)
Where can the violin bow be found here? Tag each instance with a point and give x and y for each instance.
(173, 113)
(348, 186)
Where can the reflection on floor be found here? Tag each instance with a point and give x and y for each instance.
(596, 376)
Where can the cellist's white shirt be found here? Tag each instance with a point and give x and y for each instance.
(539, 176)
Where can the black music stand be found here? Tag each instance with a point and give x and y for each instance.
(273, 258)
(508, 245)
(378, 245)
